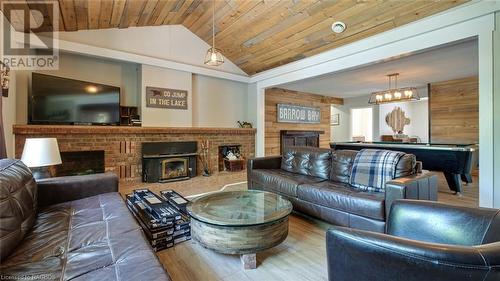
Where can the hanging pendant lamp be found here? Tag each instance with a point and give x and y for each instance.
(394, 94)
(213, 56)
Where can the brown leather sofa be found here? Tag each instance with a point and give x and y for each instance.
(423, 241)
(69, 228)
(316, 181)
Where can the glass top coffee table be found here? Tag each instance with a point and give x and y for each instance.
(240, 222)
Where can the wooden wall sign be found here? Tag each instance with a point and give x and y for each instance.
(166, 98)
(288, 113)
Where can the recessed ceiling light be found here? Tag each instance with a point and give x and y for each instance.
(338, 27)
(91, 89)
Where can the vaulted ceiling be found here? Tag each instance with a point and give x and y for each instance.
(255, 34)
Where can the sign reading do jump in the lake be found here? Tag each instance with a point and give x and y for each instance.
(289, 113)
(166, 98)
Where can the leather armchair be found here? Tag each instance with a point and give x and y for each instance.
(423, 241)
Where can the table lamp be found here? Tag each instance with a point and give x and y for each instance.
(39, 154)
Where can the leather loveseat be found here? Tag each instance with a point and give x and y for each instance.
(69, 228)
(424, 241)
(316, 181)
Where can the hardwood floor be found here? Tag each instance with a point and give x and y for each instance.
(301, 257)
(470, 194)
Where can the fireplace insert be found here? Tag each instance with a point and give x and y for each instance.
(174, 168)
(169, 161)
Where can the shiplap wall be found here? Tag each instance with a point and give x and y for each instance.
(454, 111)
(273, 128)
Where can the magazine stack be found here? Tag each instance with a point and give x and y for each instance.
(163, 219)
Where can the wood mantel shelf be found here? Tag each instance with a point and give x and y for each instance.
(69, 129)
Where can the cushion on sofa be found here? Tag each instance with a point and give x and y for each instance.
(342, 197)
(282, 182)
(95, 238)
(308, 161)
(406, 166)
(18, 204)
(342, 165)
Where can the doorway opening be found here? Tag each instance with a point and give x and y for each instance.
(362, 124)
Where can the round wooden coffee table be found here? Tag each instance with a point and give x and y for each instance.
(240, 222)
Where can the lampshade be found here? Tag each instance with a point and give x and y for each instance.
(41, 152)
(214, 57)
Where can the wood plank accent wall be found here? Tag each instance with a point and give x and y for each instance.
(273, 128)
(454, 111)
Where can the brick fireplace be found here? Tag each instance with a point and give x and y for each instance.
(80, 163)
(122, 146)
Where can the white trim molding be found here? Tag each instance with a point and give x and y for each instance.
(99, 52)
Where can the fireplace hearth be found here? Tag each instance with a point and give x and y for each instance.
(169, 161)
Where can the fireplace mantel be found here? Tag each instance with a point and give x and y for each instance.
(68, 129)
(122, 144)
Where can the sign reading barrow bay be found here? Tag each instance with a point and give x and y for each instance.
(289, 113)
(166, 98)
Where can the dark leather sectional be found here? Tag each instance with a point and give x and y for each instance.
(316, 181)
(69, 228)
(424, 241)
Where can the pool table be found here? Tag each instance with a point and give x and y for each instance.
(456, 161)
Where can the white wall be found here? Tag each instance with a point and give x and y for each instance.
(9, 115)
(342, 132)
(420, 126)
(362, 123)
(212, 102)
(115, 73)
(218, 102)
(152, 76)
(8, 105)
(485, 196)
(169, 42)
(417, 111)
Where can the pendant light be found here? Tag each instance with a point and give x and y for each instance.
(213, 56)
(394, 94)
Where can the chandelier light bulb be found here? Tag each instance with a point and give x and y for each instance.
(397, 95)
(388, 96)
(379, 97)
(408, 93)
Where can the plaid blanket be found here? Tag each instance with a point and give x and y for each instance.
(372, 168)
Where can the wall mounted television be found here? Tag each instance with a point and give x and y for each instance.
(57, 100)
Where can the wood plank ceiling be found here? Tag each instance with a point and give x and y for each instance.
(256, 34)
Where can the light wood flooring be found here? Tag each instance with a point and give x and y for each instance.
(470, 193)
(301, 257)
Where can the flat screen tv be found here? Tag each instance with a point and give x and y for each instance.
(57, 100)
